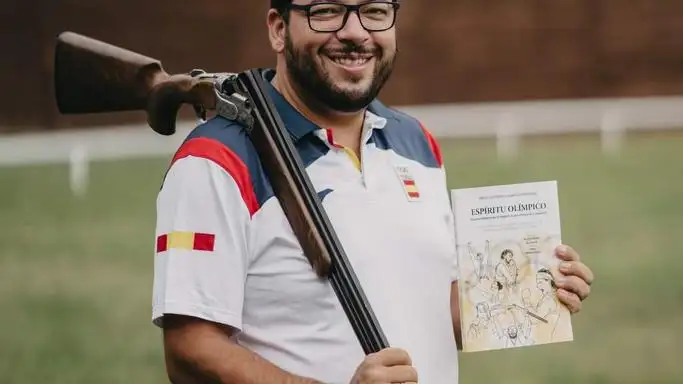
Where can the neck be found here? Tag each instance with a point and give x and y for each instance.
(344, 124)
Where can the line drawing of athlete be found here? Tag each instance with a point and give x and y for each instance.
(512, 296)
(547, 306)
(520, 315)
(480, 261)
(484, 323)
(527, 324)
(512, 337)
(507, 271)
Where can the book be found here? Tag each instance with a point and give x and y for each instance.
(506, 239)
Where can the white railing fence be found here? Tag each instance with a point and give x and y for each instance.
(506, 121)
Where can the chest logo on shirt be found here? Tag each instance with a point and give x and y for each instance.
(410, 188)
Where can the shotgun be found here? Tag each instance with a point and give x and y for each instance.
(92, 76)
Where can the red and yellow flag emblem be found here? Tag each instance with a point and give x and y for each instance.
(408, 182)
(191, 241)
(411, 188)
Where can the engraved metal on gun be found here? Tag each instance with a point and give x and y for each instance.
(230, 102)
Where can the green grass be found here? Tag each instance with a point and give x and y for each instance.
(76, 274)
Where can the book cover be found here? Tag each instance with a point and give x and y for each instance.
(506, 237)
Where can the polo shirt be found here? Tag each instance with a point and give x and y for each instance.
(226, 253)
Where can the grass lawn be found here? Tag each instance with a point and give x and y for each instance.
(76, 274)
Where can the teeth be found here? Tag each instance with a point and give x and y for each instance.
(350, 61)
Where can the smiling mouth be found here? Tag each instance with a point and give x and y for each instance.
(354, 60)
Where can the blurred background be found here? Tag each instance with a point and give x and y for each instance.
(586, 92)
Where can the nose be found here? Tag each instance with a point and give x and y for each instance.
(353, 29)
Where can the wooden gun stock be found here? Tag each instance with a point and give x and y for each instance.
(91, 76)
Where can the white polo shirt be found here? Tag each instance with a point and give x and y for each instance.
(226, 253)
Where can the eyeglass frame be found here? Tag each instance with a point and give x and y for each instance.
(306, 8)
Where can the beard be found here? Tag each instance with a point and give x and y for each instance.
(317, 86)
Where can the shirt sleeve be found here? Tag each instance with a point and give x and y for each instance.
(455, 270)
(201, 253)
(450, 224)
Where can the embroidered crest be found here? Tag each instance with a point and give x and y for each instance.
(410, 188)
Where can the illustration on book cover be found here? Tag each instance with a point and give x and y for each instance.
(506, 239)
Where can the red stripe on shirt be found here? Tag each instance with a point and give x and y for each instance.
(162, 243)
(204, 242)
(215, 151)
(433, 144)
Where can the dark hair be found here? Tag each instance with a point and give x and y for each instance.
(279, 4)
(546, 271)
(281, 7)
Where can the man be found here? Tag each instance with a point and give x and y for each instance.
(480, 260)
(485, 325)
(546, 306)
(236, 297)
(507, 272)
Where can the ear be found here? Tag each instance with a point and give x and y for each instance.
(276, 30)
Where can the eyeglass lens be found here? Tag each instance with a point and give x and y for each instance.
(374, 16)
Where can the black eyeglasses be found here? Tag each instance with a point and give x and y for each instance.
(374, 16)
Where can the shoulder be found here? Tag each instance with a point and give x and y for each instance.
(408, 136)
(225, 144)
(219, 140)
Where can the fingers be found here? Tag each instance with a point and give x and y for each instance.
(390, 365)
(395, 374)
(572, 265)
(574, 285)
(391, 356)
(569, 299)
(578, 269)
(400, 374)
(567, 253)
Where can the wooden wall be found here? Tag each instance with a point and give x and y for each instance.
(451, 50)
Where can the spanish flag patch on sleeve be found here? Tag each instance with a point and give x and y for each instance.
(191, 241)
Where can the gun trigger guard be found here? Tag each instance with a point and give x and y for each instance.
(200, 112)
(199, 109)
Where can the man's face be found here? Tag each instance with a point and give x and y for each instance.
(343, 70)
(512, 332)
(543, 283)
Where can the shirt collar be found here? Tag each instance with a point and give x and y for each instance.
(374, 121)
(297, 124)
